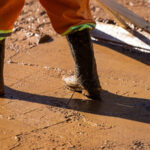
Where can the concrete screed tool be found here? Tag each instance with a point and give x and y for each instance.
(123, 33)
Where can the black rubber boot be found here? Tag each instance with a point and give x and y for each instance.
(85, 79)
(2, 47)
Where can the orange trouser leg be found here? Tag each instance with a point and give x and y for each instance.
(9, 11)
(67, 13)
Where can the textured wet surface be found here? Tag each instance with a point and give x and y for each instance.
(38, 112)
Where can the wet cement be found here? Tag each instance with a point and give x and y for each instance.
(38, 112)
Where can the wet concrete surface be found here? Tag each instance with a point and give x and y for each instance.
(38, 112)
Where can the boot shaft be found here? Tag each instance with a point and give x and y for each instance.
(82, 51)
(2, 47)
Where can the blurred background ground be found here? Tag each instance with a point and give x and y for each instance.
(34, 23)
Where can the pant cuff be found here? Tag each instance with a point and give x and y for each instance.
(4, 34)
(81, 27)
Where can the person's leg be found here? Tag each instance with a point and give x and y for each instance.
(9, 11)
(85, 79)
(73, 19)
(2, 46)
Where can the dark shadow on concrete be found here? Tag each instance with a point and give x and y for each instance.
(140, 36)
(130, 52)
(137, 109)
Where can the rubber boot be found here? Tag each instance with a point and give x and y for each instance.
(85, 79)
(2, 47)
